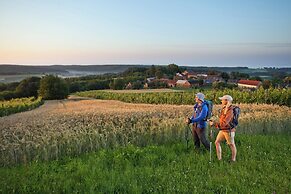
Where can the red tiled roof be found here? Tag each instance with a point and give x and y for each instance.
(249, 82)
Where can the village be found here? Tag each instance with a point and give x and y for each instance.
(187, 80)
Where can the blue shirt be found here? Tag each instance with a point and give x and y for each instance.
(201, 113)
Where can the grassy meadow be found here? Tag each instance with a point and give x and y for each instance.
(80, 145)
(263, 166)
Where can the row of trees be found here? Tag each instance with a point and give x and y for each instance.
(154, 71)
(49, 87)
(26, 88)
(59, 88)
(135, 75)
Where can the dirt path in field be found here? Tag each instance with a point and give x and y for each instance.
(74, 106)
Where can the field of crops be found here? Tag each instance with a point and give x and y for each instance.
(19, 105)
(71, 134)
(61, 132)
(143, 91)
(260, 96)
(75, 126)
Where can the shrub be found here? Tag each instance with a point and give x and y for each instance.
(53, 87)
(28, 87)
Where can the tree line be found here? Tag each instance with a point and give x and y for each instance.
(53, 87)
(48, 87)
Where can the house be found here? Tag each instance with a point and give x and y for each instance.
(212, 78)
(146, 86)
(251, 84)
(169, 82)
(190, 75)
(183, 84)
(150, 79)
(128, 86)
(185, 72)
(202, 76)
(196, 82)
(180, 76)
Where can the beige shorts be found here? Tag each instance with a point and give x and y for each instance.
(225, 135)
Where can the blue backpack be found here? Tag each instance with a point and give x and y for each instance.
(234, 121)
(209, 105)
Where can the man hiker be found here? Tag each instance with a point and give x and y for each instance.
(198, 121)
(226, 132)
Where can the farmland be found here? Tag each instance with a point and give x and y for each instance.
(19, 105)
(260, 96)
(67, 145)
(142, 91)
(74, 126)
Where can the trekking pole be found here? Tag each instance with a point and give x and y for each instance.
(210, 145)
(210, 150)
(187, 135)
(187, 129)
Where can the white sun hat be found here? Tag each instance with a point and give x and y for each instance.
(226, 97)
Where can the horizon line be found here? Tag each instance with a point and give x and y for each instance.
(124, 64)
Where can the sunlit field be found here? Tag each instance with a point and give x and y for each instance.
(112, 146)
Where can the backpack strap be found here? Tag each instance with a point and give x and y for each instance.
(200, 109)
(232, 107)
(204, 104)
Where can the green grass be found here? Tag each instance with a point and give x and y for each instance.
(263, 166)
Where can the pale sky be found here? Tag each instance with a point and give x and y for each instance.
(186, 32)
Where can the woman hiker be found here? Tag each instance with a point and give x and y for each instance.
(225, 131)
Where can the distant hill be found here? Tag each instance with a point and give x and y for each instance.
(101, 69)
(266, 71)
(61, 69)
(23, 69)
